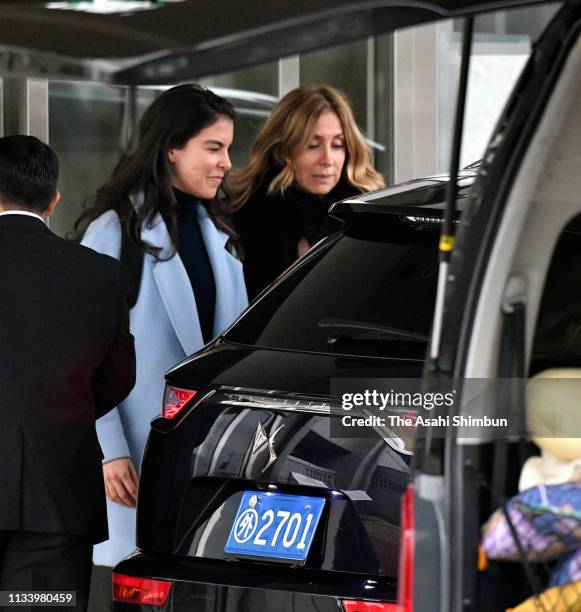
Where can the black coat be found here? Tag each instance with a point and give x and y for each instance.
(270, 227)
(66, 358)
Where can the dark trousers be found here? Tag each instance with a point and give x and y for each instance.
(45, 562)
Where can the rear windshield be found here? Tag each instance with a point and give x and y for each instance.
(369, 290)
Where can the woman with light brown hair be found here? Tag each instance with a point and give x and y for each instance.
(309, 154)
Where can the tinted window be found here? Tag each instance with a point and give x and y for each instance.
(379, 273)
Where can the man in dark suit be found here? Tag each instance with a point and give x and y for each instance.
(66, 358)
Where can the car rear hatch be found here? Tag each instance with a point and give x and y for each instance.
(228, 442)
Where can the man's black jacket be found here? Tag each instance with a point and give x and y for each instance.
(66, 358)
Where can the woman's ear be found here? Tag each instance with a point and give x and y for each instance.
(171, 155)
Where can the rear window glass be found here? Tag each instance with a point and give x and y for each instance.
(367, 291)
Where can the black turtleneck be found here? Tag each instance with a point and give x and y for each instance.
(194, 256)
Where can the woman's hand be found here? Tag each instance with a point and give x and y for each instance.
(121, 481)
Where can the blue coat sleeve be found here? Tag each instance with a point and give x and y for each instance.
(104, 236)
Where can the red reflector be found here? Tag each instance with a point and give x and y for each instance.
(405, 591)
(130, 589)
(174, 401)
(350, 605)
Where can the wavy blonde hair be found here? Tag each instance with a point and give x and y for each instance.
(288, 131)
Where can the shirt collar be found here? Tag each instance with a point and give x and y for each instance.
(22, 212)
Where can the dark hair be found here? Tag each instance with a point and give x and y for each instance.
(171, 120)
(29, 172)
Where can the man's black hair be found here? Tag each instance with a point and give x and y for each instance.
(28, 173)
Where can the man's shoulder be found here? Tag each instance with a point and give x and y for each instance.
(96, 276)
(85, 258)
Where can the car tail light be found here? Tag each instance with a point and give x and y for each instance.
(350, 605)
(130, 589)
(175, 400)
(405, 594)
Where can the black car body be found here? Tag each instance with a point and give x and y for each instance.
(260, 419)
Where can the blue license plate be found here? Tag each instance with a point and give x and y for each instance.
(275, 525)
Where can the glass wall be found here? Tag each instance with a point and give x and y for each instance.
(262, 78)
(85, 131)
(344, 67)
(426, 72)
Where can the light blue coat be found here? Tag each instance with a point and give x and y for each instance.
(165, 325)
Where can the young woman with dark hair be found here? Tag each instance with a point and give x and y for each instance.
(165, 199)
(145, 172)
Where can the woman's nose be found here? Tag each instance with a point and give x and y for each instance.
(225, 161)
(326, 157)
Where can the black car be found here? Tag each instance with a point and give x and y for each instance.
(246, 500)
